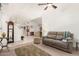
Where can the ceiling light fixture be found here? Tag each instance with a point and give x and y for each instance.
(47, 5)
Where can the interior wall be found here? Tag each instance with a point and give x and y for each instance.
(36, 23)
(17, 31)
(62, 19)
(21, 13)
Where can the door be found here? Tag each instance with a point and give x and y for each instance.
(10, 33)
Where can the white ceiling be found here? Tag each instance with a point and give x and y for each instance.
(27, 11)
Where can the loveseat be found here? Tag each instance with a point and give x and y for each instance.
(59, 40)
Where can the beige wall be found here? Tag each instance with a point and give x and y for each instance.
(20, 12)
(64, 18)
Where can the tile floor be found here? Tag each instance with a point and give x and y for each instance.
(29, 40)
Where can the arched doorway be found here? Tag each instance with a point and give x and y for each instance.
(10, 32)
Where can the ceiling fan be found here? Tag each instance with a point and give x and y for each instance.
(47, 5)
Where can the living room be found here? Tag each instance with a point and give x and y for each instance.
(36, 21)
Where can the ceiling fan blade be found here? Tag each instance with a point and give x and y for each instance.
(49, 3)
(46, 8)
(54, 6)
(42, 4)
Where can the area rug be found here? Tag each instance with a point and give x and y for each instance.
(30, 50)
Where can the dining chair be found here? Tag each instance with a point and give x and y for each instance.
(4, 43)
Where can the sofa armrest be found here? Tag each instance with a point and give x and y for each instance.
(69, 44)
(44, 37)
(69, 39)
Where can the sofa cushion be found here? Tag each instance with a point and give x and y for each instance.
(48, 40)
(60, 33)
(52, 36)
(52, 33)
(59, 37)
(57, 43)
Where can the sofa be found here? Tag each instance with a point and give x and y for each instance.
(59, 40)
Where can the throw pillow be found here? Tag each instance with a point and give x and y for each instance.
(64, 40)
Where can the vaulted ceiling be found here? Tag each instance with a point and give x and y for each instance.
(29, 11)
(25, 11)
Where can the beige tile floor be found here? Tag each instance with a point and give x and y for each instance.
(12, 46)
(29, 40)
(56, 52)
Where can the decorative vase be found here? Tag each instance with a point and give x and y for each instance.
(22, 37)
(3, 34)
